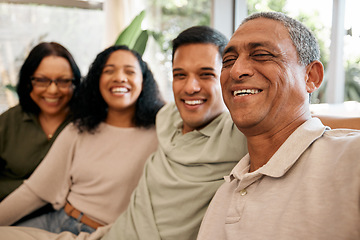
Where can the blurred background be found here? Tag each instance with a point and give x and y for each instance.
(87, 27)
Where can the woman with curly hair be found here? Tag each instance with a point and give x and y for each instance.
(48, 80)
(96, 162)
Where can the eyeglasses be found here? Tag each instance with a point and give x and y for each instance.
(43, 82)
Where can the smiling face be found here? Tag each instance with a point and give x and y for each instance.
(52, 100)
(263, 84)
(196, 84)
(121, 82)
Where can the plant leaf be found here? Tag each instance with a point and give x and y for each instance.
(141, 41)
(11, 87)
(130, 34)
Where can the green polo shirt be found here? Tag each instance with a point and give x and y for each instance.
(180, 178)
(23, 145)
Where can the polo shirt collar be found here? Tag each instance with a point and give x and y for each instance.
(208, 130)
(288, 153)
(29, 117)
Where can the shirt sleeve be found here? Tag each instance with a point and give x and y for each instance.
(18, 204)
(51, 181)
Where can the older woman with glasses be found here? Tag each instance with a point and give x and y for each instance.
(48, 80)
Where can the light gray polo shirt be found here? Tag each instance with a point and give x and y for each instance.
(309, 189)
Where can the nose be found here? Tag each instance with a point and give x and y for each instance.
(120, 76)
(53, 88)
(192, 85)
(241, 68)
(123, 79)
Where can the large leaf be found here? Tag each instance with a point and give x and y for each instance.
(141, 41)
(131, 33)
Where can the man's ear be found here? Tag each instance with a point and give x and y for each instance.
(314, 76)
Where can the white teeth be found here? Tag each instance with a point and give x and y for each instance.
(119, 90)
(194, 102)
(51, 100)
(245, 92)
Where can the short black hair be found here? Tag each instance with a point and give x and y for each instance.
(200, 34)
(91, 109)
(32, 62)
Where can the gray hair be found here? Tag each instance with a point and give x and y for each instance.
(304, 40)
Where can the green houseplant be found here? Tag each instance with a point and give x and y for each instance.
(133, 36)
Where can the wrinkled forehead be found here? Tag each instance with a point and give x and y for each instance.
(262, 27)
(261, 31)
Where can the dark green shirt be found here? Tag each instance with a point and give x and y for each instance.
(23, 145)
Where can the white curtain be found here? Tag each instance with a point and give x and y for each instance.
(118, 14)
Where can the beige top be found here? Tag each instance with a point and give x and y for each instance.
(96, 173)
(309, 189)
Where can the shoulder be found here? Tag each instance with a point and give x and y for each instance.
(343, 143)
(13, 112)
(168, 117)
(224, 120)
(338, 148)
(15, 118)
(223, 125)
(148, 131)
(342, 135)
(68, 134)
(145, 136)
(169, 111)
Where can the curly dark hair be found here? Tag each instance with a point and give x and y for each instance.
(91, 109)
(32, 62)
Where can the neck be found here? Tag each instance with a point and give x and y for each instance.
(263, 146)
(50, 122)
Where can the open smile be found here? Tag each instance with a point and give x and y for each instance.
(119, 90)
(245, 92)
(51, 100)
(194, 102)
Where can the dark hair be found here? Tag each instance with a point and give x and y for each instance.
(91, 109)
(32, 62)
(200, 34)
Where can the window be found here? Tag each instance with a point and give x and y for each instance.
(167, 18)
(23, 26)
(80, 27)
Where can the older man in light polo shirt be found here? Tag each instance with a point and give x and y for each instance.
(300, 180)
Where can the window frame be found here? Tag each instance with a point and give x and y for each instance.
(61, 3)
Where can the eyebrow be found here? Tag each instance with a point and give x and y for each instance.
(261, 44)
(203, 68)
(251, 45)
(112, 65)
(65, 75)
(229, 49)
(177, 69)
(208, 68)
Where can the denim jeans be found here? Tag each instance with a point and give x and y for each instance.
(56, 222)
